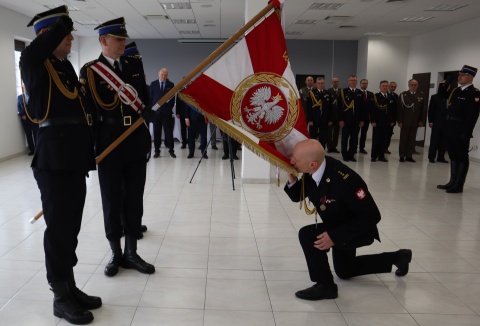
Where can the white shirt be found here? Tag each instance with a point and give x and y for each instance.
(111, 62)
(463, 87)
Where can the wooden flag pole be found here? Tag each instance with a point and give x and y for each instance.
(208, 60)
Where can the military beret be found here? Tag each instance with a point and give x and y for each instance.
(114, 27)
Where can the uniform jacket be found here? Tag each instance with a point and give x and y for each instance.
(347, 112)
(155, 94)
(318, 107)
(344, 204)
(394, 97)
(334, 94)
(437, 111)
(367, 105)
(463, 108)
(411, 109)
(381, 113)
(113, 115)
(60, 146)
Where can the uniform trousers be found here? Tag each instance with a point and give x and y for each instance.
(407, 141)
(31, 130)
(122, 183)
(349, 139)
(199, 126)
(457, 144)
(332, 135)
(183, 130)
(438, 143)
(379, 141)
(363, 135)
(63, 198)
(166, 121)
(320, 132)
(345, 261)
(389, 137)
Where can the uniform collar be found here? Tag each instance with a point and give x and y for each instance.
(111, 61)
(317, 175)
(463, 87)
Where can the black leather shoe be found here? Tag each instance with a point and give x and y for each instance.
(363, 151)
(235, 157)
(225, 157)
(115, 262)
(431, 160)
(402, 261)
(205, 156)
(183, 146)
(346, 160)
(383, 159)
(143, 228)
(318, 292)
(402, 159)
(190, 156)
(387, 152)
(409, 159)
(132, 260)
(352, 159)
(87, 302)
(64, 306)
(214, 147)
(172, 155)
(442, 161)
(373, 159)
(156, 155)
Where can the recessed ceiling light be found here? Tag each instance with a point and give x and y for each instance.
(189, 32)
(70, 8)
(156, 17)
(294, 33)
(325, 6)
(88, 22)
(209, 25)
(176, 5)
(306, 21)
(445, 7)
(184, 21)
(338, 18)
(206, 6)
(375, 34)
(415, 19)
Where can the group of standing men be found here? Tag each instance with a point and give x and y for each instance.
(78, 119)
(352, 110)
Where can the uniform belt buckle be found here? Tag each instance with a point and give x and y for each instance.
(127, 120)
(89, 119)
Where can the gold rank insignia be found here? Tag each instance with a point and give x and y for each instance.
(82, 81)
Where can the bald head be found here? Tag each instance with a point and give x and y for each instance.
(308, 155)
(163, 74)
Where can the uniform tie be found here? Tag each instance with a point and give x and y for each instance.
(116, 68)
(162, 84)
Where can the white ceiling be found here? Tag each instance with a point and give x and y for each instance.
(219, 19)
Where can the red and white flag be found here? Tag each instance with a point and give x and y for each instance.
(250, 94)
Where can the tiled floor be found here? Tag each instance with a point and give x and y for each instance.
(227, 257)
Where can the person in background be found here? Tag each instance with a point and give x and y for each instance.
(462, 115)
(64, 155)
(333, 129)
(367, 106)
(437, 111)
(394, 97)
(29, 127)
(349, 221)
(381, 117)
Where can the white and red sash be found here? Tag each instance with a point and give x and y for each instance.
(127, 92)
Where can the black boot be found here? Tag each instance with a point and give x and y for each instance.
(453, 176)
(132, 260)
(64, 306)
(462, 171)
(86, 301)
(116, 260)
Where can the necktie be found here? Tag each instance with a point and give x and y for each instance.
(162, 84)
(365, 96)
(116, 68)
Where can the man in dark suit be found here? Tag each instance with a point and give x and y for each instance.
(351, 115)
(318, 106)
(333, 129)
(381, 117)
(164, 115)
(411, 114)
(367, 106)
(437, 111)
(63, 156)
(29, 127)
(394, 97)
(349, 216)
(122, 173)
(462, 115)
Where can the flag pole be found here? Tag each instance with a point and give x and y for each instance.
(208, 60)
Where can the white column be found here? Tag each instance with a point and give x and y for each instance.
(254, 168)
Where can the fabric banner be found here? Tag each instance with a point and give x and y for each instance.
(250, 94)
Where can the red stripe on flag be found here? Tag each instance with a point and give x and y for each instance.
(218, 100)
(267, 47)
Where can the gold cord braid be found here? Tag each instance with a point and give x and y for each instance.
(56, 79)
(48, 103)
(315, 101)
(449, 102)
(381, 107)
(349, 106)
(93, 88)
(303, 200)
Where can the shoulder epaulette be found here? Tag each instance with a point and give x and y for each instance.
(90, 63)
(344, 175)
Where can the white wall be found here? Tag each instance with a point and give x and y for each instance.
(90, 49)
(447, 49)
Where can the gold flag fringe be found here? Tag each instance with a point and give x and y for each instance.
(235, 134)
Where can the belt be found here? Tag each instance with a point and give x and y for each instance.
(124, 121)
(453, 118)
(66, 121)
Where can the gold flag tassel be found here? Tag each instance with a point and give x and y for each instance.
(303, 201)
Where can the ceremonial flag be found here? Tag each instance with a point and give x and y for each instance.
(250, 94)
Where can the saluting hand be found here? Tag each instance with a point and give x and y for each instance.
(323, 242)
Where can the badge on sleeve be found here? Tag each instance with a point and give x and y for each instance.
(361, 194)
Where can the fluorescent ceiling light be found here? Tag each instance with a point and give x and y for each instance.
(189, 32)
(184, 21)
(415, 19)
(338, 18)
(154, 17)
(306, 22)
(201, 40)
(176, 5)
(375, 34)
(70, 8)
(325, 6)
(445, 7)
(293, 33)
(88, 22)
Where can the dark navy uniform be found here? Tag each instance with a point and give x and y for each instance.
(29, 127)
(64, 152)
(351, 112)
(318, 113)
(437, 111)
(350, 218)
(381, 116)
(334, 128)
(367, 107)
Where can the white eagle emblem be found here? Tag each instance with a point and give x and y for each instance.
(263, 110)
(361, 194)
